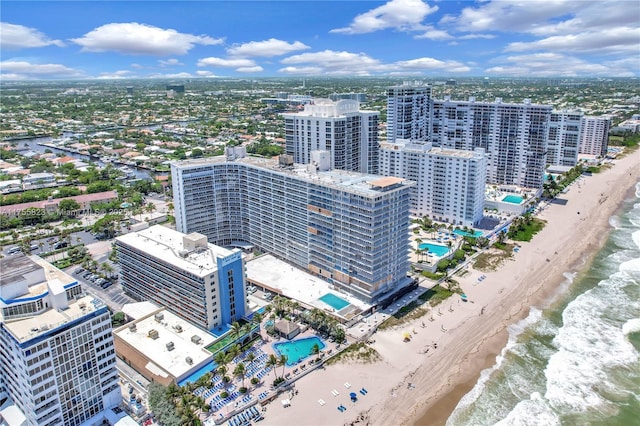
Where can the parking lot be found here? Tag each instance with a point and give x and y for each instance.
(112, 294)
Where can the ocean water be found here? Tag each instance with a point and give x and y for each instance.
(577, 361)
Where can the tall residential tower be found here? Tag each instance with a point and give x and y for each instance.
(57, 359)
(409, 112)
(349, 134)
(349, 228)
(198, 281)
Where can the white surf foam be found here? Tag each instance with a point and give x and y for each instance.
(514, 330)
(534, 411)
(631, 326)
(588, 344)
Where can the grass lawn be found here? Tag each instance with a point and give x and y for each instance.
(528, 231)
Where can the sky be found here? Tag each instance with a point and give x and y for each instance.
(50, 40)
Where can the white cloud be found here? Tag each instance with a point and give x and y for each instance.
(301, 70)
(559, 65)
(255, 69)
(337, 63)
(431, 64)
(610, 41)
(169, 62)
(433, 34)
(14, 36)
(401, 15)
(266, 48)
(133, 38)
(174, 75)
(226, 63)
(115, 75)
(334, 63)
(203, 73)
(28, 70)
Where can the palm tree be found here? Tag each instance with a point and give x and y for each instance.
(222, 360)
(272, 362)
(240, 371)
(315, 350)
(251, 357)
(282, 361)
(235, 329)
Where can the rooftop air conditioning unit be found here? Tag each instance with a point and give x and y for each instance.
(196, 339)
(170, 346)
(159, 317)
(189, 360)
(132, 328)
(153, 333)
(178, 328)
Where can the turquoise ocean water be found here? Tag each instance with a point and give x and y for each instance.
(577, 361)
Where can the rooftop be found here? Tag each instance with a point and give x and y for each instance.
(170, 329)
(427, 148)
(347, 181)
(30, 328)
(29, 274)
(295, 283)
(174, 247)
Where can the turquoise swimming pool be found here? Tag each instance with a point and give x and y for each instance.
(334, 301)
(436, 249)
(474, 234)
(513, 199)
(297, 350)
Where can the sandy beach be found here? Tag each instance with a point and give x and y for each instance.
(415, 383)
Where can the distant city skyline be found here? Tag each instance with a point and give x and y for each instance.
(253, 39)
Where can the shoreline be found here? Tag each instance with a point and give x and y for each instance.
(418, 383)
(438, 411)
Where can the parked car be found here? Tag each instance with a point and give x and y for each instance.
(79, 271)
(106, 285)
(60, 244)
(13, 250)
(34, 247)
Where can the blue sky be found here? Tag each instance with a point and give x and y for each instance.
(174, 39)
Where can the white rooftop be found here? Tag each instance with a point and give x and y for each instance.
(138, 310)
(295, 283)
(343, 180)
(170, 328)
(170, 246)
(29, 328)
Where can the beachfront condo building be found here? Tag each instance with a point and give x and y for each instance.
(57, 358)
(515, 136)
(349, 134)
(349, 228)
(594, 138)
(450, 183)
(200, 282)
(564, 137)
(409, 112)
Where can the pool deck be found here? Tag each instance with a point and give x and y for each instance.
(294, 283)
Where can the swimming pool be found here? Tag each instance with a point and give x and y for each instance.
(297, 350)
(513, 199)
(474, 234)
(334, 301)
(435, 249)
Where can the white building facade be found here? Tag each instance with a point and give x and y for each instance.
(409, 112)
(594, 138)
(57, 359)
(564, 138)
(200, 282)
(349, 134)
(349, 228)
(515, 136)
(450, 183)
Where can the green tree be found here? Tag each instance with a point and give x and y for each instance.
(68, 207)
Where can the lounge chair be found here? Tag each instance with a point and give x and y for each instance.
(347, 385)
(321, 402)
